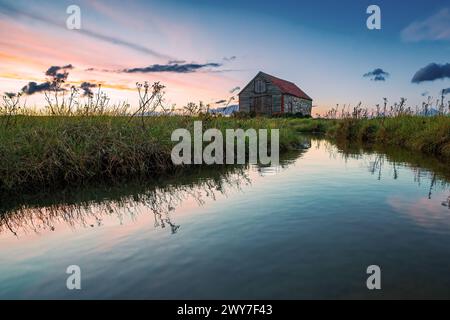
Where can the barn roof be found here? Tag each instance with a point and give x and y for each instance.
(287, 87)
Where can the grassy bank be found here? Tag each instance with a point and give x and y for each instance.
(428, 135)
(48, 151)
(39, 152)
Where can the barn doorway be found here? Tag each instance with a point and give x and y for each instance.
(262, 104)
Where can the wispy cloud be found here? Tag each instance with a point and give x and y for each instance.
(12, 11)
(176, 62)
(173, 67)
(436, 27)
(432, 72)
(377, 74)
(235, 89)
(228, 59)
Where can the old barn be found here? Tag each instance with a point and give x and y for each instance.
(267, 94)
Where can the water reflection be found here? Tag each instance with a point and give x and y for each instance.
(387, 162)
(446, 203)
(429, 173)
(88, 207)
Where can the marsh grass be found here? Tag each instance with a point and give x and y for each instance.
(424, 128)
(50, 151)
(429, 135)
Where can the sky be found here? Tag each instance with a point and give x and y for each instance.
(201, 50)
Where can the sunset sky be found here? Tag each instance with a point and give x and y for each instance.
(203, 49)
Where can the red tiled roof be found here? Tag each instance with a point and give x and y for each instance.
(287, 87)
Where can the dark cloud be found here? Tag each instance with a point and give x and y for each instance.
(87, 89)
(228, 59)
(445, 91)
(58, 73)
(377, 75)
(33, 87)
(221, 101)
(53, 70)
(432, 72)
(176, 68)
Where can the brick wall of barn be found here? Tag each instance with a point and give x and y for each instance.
(295, 105)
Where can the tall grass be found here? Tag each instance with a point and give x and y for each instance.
(423, 129)
(44, 151)
(429, 135)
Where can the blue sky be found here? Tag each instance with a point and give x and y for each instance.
(324, 46)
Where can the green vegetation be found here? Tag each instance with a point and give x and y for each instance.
(47, 151)
(429, 135)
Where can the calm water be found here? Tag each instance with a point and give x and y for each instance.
(306, 229)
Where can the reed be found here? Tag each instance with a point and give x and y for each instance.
(48, 151)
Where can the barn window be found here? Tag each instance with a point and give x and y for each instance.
(260, 86)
